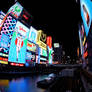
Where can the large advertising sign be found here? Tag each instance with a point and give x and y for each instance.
(18, 45)
(86, 13)
(5, 37)
(32, 35)
(40, 40)
(16, 10)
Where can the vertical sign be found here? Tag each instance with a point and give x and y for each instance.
(49, 41)
(18, 44)
(5, 36)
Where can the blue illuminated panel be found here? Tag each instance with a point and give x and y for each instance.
(18, 45)
(86, 13)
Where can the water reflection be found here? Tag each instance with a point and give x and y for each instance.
(23, 84)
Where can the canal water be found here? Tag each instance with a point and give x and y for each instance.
(22, 84)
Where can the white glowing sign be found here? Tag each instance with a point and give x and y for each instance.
(33, 35)
(56, 45)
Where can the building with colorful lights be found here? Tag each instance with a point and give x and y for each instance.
(24, 45)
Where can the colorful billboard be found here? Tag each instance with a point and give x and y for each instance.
(18, 45)
(41, 40)
(32, 35)
(86, 14)
(16, 10)
(6, 33)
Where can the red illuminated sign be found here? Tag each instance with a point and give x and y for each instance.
(49, 41)
(3, 59)
(16, 64)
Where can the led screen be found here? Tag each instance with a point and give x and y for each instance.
(16, 10)
(6, 35)
(18, 44)
(32, 35)
(86, 13)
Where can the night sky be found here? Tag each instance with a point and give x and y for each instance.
(56, 18)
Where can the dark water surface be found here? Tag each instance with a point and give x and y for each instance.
(22, 84)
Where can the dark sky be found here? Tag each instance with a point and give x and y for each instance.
(56, 18)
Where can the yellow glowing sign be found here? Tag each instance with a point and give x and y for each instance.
(39, 42)
(42, 45)
(3, 62)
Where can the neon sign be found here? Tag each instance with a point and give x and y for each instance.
(39, 42)
(16, 10)
(18, 44)
(49, 41)
(32, 35)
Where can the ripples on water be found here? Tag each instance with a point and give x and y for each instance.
(22, 84)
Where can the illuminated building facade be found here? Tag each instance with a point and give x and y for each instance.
(24, 45)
